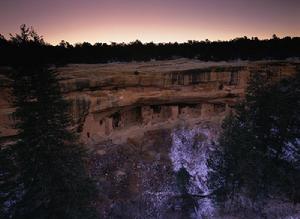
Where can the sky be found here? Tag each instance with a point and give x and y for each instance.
(151, 20)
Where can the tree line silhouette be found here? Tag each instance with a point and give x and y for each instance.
(239, 48)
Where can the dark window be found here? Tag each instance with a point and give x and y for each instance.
(234, 78)
(156, 108)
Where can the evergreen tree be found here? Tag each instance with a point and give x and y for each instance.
(259, 152)
(51, 175)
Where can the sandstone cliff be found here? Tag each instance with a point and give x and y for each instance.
(121, 100)
(144, 121)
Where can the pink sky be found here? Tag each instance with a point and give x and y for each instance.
(156, 20)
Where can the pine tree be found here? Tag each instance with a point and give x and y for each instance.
(258, 152)
(51, 168)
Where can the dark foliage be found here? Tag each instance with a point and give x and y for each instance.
(239, 48)
(8, 183)
(46, 166)
(259, 149)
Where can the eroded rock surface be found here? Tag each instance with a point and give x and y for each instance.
(119, 100)
(144, 121)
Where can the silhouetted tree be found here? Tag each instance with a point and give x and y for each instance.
(27, 36)
(65, 44)
(52, 181)
(240, 48)
(259, 148)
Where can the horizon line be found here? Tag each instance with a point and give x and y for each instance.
(7, 37)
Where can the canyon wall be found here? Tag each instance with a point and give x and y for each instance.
(144, 122)
(118, 101)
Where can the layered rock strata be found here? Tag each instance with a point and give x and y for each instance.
(119, 100)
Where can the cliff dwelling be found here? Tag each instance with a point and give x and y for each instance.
(107, 100)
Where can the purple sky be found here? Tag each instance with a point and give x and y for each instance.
(156, 20)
